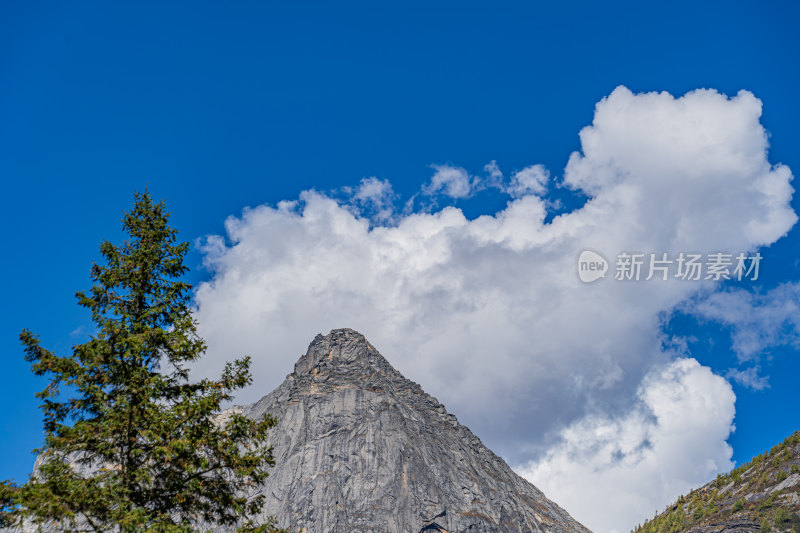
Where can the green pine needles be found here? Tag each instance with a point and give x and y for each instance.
(131, 445)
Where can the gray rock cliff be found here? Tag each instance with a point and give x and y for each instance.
(359, 447)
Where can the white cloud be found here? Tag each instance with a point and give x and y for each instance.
(671, 441)
(374, 198)
(758, 322)
(454, 182)
(704, 150)
(529, 180)
(749, 378)
(488, 314)
(375, 191)
(494, 172)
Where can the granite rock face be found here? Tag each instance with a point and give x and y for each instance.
(360, 448)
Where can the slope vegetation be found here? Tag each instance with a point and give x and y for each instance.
(762, 495)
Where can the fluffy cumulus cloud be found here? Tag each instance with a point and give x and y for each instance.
(489, 315)
(645, 457)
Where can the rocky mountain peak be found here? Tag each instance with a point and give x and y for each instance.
(359, 447)
(341, 347)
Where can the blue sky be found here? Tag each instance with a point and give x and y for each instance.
(218, 107)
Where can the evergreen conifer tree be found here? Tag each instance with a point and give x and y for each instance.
(131, 444)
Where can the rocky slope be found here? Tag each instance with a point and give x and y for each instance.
(361, 448)
(762, 495)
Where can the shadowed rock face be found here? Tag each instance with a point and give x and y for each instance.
(361, 448)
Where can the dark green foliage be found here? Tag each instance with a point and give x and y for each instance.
(769, 502)
(712, 508)
(7, 491)
(151, 451)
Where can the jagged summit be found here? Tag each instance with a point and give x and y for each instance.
(344, 349)
(359, 447)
